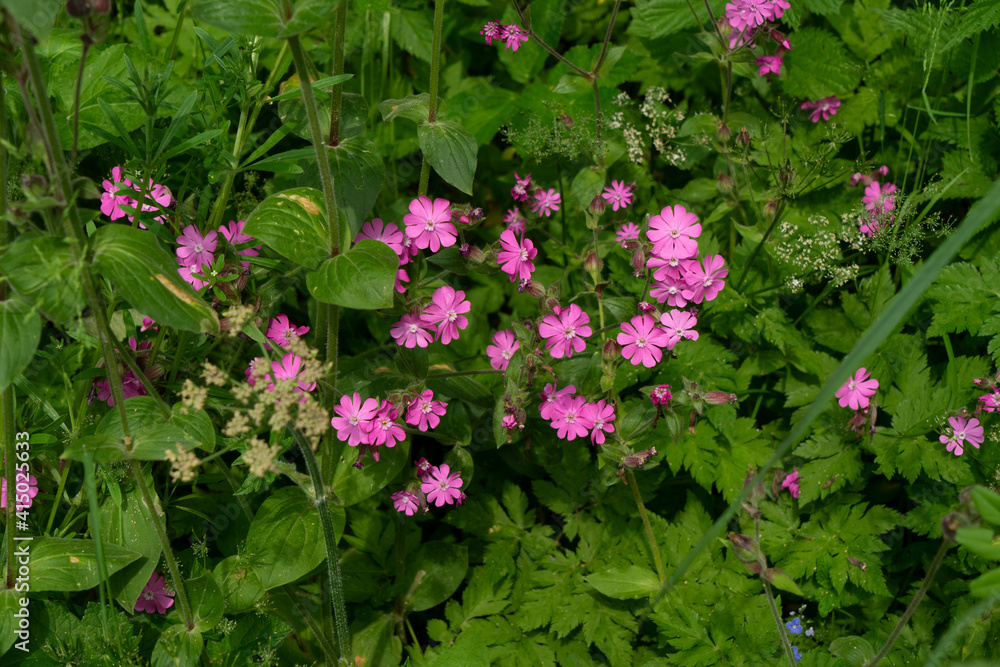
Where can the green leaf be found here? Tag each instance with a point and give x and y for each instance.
(197, 427)
(10, 604)
(780, 579)
(625, 583)
(451, 150)
(412, 361)
(358, 174)
(979, 541)
(987, 504)
(819, 66)
(433, 573)
(20, 331)
(241, 587)
(135, 263)
(987, 585)
(42, 270)
(855, 650)
(263, 17)
(655, 19)
(206, 601)
(178, 647)
(128, 526)
(294, 224)
(965, 296)
(60, 564)
(351, 486)
(412, 107)
(361, 278)
(285, 541)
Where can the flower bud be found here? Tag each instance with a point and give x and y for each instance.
(746, 549)
(724, 184)
(597, 205)
(646, 307)
(638, 262)
(566, 120)
(535, 289)
(101, 6)
(786, 176)
(475, 255)
(78, 8)
(639, 459)
(725, 27)
(592, 263)
(770, 208)
(612, 351)
(551, 304)
(744, 137)
(632, 244)
(720, 398)
(154, 372)
(34, 185)
(950, 524)
(724, 132)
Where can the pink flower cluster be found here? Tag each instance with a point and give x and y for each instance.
(368, 423)
(437, 485)
(112, 203)
(542, 202)
(573, 417)
(512, 35)
(441, 319)
(745, 20)
(642, 338)
(195, 251)
(131, 384)
(879, 200)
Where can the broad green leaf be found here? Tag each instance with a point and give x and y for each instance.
(780, 579)
(358, 174)
(412, 107)
(264, 18)
(412, 361)
(146, 274)
(979, 541)
(819, 66)
(987, 504)
(20, 331)
(855, 650)
(10, 604)
(987, 585)
(152, 442)
(351, 486)
(35, 16)
(206, 601)
(293, 223)
(60, 564)
(361, 278)
(285, 541)
(241, 587)
(197, 427)
(433, 573)
(129, 527)
(451, 150)
(178, 647)
(625, 583)
(655, 19)
(377, 643)
(42, 270)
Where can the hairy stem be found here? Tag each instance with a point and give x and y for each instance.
(8, 433)
(340, 36)
(76, 98)
(425, 167)
(777, 620)
(650, 536)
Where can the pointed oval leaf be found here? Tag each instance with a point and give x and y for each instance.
(128, 526)
(60, 564)
(263, 17)
(451, 150)
(435, 572)
(987, 503)
(855, 650)
(20, 331)
(146, 274)
(361, 278)
(625, 583)
(351, 486)
(293, 223)
(43, 271)
(206, 601)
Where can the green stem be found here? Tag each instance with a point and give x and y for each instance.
(425, 168)
(322, 158)
(340, 36)
(777, 620)
(753, 253)
(8, 433)
(649, 528)
(104, 586)
(177, 32)
(219, 208)
(76, 98)
(336, 587)
(914, 603)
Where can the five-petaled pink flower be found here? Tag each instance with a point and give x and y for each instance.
(424, 412)
(661, 395)
(155, 596)
(823, 108)
(673, 232)
(405, 502)
(196, 249)
(515, 258)
(445, 311)
(22, 500)
(564, 330)
(879, 198)
(288, 369)
(705, 280)
(572, 420)
(429, 224)
(282, 331)
(679, 324)
(233, 232)
(546, 201)
(769, 65)
(600, 414)
(619, 195)
(857, 391)
(642, 340)
(491, 31)
(412, 331)
(389, 234)
(520, 191)
(791, 482)
(382, 429)
(748, 14)
(442, 486)
(627, 232)
(552, 398)
(512, 35)
(963, 430)
(503, 348)
(352, 418)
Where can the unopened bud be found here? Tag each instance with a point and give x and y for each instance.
(639, 459)
(786, 176)
(535, 289)
(746, 548)
(744, 137)
(638, 262)
(770, 208)
(101, 6)
(724, 132)
(154, 372)
(612, 351)
(551, 304)
(78, 8)
(592, 263)
(646, 307)
(34, 185)
(632, 244)
(597, 205)
(720, 398)
(725, 27)
(475, 255)
(950, 524)
(724, 183)
(566, 120)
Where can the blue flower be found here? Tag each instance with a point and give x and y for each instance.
(794, 626)
(795, 652)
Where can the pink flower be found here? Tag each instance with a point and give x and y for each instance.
(645, 307)
(281, 331)
(424, 412)
(963, 430)
(445, 311)
(509, 422)
(429, 224)
(443, 486)
(196, 249)
(661, 395)
(148, 323)
(382, 429)
(187, 273)
(512, 35)
(627, 232)
(235, 236)
(601, 414)
(670, 291)
(572, 419)
(791, 482)
(546, 201)
(353, 417)
(564, 331)
(991, 401)
(878, 198)
(823, 108)
(22, 500)
(552, 398)
(673, 232)
(489, 32)
(131, 386)
(857, 391)
(412, 331)
(288, 369)
(670, 265)
(111, 203)
(405, 502)
(618, 195)
(769, 65)
(705, 280)
(389, 234)
(249, 372)
(641, 341)
(423, 467)
(515, 258)
(401, 277)
(520, 191)
(679, 324)
(748, 13)
(503, 348)
(409, 251)
(155, 596)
